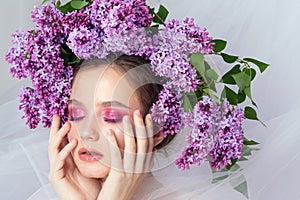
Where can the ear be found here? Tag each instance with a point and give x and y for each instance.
(158, 138)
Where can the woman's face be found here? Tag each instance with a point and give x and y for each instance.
(99, 100)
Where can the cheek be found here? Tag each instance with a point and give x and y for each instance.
(72, 133)
(120, 139)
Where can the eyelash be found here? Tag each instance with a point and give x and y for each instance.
(112, 120)
(117, 116)
(76, 112)
(75, 118)
(112, 116)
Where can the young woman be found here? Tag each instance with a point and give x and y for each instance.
(111, 136)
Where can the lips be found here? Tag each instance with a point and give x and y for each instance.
(89, 155)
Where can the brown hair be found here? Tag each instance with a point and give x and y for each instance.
(144, 76)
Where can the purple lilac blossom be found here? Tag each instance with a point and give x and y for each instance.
(170, 59)
(216, 132)
(29, 103)
(19, 54)
(193, 32)
(74, 20)
(134, 42)
(84, 42)
(37, 54)
(48, 19)
(116, 16)
(167, 112)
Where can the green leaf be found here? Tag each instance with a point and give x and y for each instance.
(219, 178)
(240, 184)
(253, 103)
(77, 60)
(227, 77)
(251, 72)
(247, 92)
(235, 166)
(197, 60)
(233, 162)
(242, 80)
(151, 10)
(212, 74)
(79, 4)
(58, 4)
(261, 65)
(187, 106)
(246, 151)
(229, 58)
(241, 97)
(249, 142)
(219, 45)
(65, 8)
(243, 158)
(211, 93)
(231, 95)
(250, 113)
(45, 1)
(162, 14)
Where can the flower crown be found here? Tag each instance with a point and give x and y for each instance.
(82, 29)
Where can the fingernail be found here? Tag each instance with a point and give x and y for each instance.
(149, 117)
(66, 124)
(137, 113)
(126, 118)
(109, 132)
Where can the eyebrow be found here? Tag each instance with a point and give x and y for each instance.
(102, 104)
(112, 103)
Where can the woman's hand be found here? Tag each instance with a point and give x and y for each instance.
(128, 172)
(64, 176)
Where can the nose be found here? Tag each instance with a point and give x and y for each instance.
(89, 135)
(90, 132)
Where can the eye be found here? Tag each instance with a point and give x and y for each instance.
(112, 115)
(76, 113)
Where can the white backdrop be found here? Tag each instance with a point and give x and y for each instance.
(267, 30)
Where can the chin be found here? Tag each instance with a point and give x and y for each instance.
(93, 170)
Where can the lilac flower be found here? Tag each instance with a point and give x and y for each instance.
(74, 20)
(20, 53)
(116, 16)
(167, 112)
(29, 103)
(134, 42)
(48, 19)
(84, 42)
(193, 33)
(216, 133)
(229, 142)
(170, 59)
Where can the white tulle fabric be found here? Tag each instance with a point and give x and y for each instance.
(263, 29)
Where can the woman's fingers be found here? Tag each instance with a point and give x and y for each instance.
(115, 154)
(55, 126)
(57, 139)
(140, 132)
(142, 141)
(150, 154)
(130, 145)
(58, 164)
(150, 132)
(63, 154)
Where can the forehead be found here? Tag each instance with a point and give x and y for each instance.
(96, 84)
